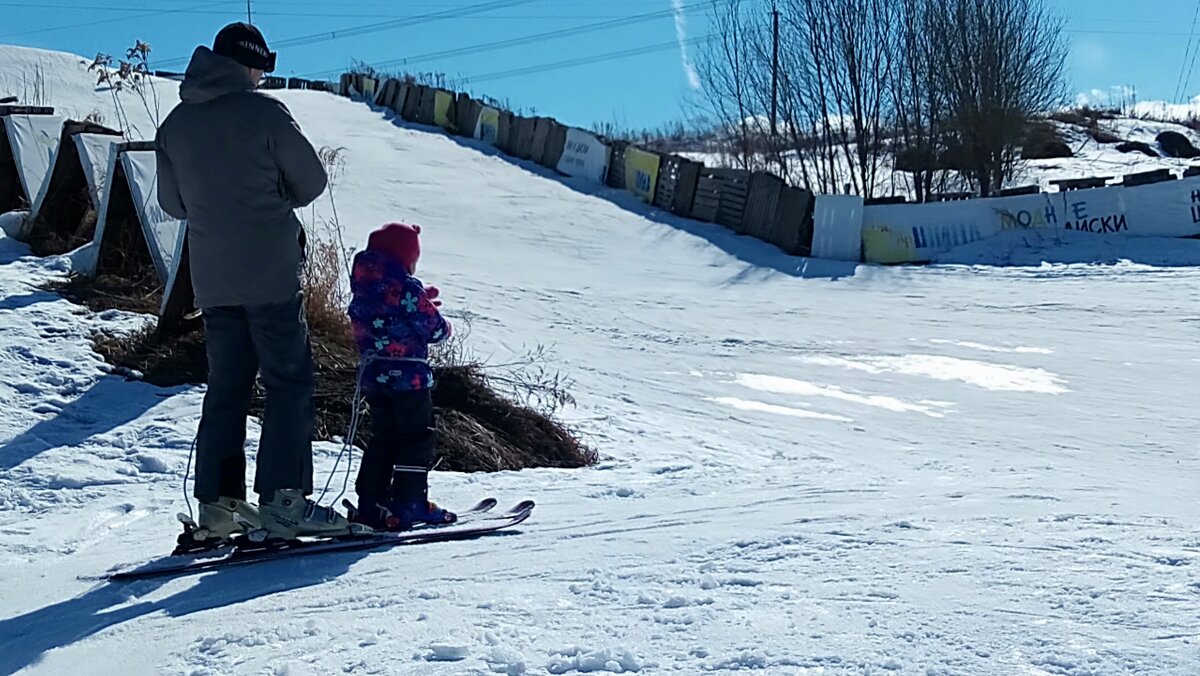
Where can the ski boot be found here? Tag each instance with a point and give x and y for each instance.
(411, 514)
(410, 501)
(217, 525)
(371, 514)
(291, 515)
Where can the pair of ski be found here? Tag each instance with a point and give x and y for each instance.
(474, 522)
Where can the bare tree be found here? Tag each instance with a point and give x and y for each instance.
(727, 67)
(996, 64)
(835, 64)
(918, 110)
(945, 85)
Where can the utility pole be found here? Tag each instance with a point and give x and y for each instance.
(249, 17)
(774, 70)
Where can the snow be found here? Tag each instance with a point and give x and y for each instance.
(809, 467)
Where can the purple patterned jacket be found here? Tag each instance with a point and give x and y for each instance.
(393, 317)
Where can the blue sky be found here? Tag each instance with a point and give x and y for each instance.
(1113, 43)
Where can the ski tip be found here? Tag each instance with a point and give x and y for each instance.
(521, 507)
(484, 505)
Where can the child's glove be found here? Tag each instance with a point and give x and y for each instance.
(433, 292)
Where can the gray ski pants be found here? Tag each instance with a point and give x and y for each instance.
(241, 342)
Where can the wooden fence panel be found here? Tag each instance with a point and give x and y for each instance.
(541, 134)
(464, 122)
(761, 201)
(668, 179)
(677, 184)
(412, 103)
(707, 200)
(616, 165)
(721, 197)
(556, 143)
(793, 227)
(427, 108)
(399, 98)
(685, 188)
(523, 144)
(504, 132)
(1147, 177)
(384, 93)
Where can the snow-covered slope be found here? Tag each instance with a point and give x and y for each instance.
(809, 467)
(44, 78)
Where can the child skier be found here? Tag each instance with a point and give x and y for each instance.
(395, 319)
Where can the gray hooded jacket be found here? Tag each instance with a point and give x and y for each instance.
(234, 163)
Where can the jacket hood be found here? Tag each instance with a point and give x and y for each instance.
(210, 76)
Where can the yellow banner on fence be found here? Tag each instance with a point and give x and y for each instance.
(641, 172)
(488, 126)
(886, 245)
(369, 88)
(442, 102)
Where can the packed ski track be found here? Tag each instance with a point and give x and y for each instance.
(808, 467)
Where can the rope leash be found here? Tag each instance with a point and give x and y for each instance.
(347, 442)
(355, 420)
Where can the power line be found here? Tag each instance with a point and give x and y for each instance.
(1179, 86)
(528, 39)
(112, 20)
(378, 26)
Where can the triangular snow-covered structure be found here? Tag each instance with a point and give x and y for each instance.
(66, 209)
(27, 146)
(134, 236)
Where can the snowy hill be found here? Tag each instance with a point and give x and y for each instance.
(809, 467)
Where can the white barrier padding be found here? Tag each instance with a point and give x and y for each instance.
(902, 233)
(173, 272)
(34, 141)
(837, 227)
(89, 267)
(1161, 209)
(584, 155)
(94, 151)
(161, 230)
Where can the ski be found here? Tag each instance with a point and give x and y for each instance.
(478, 522)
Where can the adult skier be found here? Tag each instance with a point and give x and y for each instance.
(233, 162)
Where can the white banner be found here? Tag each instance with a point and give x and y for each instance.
(584, 155)
(837, 227)
(162, 231)
(903, 233)
(1168, 209)
(34, 141)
